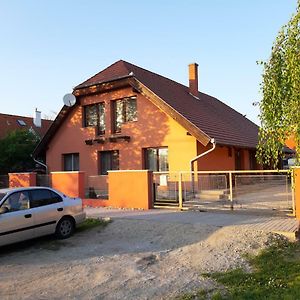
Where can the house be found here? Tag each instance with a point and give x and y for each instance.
(36, 125)
(129, 118)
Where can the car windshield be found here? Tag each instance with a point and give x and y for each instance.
(2, 196)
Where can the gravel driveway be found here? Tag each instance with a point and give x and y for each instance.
(131, 258)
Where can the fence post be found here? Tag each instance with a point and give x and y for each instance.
(297, 191)
(70, 183)
(180, 189)
(230, 191)
(293, 191)
(22, 179)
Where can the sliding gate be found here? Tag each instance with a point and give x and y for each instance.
(261, 191)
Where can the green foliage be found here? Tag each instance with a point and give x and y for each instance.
(15, 151)
(201, 295)
(280, 105)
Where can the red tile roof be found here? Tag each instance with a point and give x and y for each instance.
(12, 122)
(209, 114)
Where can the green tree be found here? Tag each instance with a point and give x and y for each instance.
(280, 104)
(15, 151)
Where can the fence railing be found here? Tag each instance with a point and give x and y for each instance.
(256, 189)
(97, 187)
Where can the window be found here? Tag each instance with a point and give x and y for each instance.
(21, 122)
(17, 201)
(71, 162)
(156, 159)
(43, 197)
(124, 110)
(94, 115)
(108, 160)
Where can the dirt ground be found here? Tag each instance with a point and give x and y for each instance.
(129, 259)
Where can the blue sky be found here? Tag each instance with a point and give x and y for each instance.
(48, 47)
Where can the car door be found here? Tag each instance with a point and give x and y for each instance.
(47, 209)
(17, 223)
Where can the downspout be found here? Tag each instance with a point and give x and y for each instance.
(213, 142)
(40, 163)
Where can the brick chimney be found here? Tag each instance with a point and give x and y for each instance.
(193, 79)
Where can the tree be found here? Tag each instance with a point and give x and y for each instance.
(15, 151)
(280, 104)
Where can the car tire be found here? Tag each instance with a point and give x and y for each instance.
(65, 228)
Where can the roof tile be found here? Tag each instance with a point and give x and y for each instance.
(9, 123)
(209, 114)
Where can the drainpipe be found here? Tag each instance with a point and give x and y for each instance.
(213, 142)
(40, 163)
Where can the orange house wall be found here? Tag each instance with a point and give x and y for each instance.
(215, 160)
(219, 159)
(154, 128)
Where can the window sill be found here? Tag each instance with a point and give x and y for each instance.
(116, 138)
(100, 140)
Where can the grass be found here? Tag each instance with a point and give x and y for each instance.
(92, 223)
(276, 275)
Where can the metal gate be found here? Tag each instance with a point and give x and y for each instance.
(4, 181)
(43, 180)
(263, 191)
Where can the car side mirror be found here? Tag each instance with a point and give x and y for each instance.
(3, 210)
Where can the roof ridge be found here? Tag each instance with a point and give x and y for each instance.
(19, 116)
(82, 83)
(164, 77)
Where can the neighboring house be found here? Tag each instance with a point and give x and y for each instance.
(10, 123)
(126, 117)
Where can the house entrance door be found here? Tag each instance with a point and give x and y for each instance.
(238, 159)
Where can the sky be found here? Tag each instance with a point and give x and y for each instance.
(48, 47)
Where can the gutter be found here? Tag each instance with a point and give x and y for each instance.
(196, 158)
(213, 142)
(40, 163)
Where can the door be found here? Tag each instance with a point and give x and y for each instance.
(47, 209)
(17, 223)
(239, 159)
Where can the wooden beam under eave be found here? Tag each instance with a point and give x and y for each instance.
(101, 87)
(202, 137)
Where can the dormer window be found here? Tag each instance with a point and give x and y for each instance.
(21, 122)
(124, 110)
(94, 116)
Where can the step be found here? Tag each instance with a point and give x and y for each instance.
(167, 200)
(214, 192)
(211, 196)
(169, 204)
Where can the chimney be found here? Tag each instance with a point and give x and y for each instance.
(37, 120)
(193, 79)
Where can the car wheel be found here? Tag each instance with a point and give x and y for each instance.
(65, 228)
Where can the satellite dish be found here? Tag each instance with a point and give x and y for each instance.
(69, 99)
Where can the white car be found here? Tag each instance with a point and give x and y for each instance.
(27, 213)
